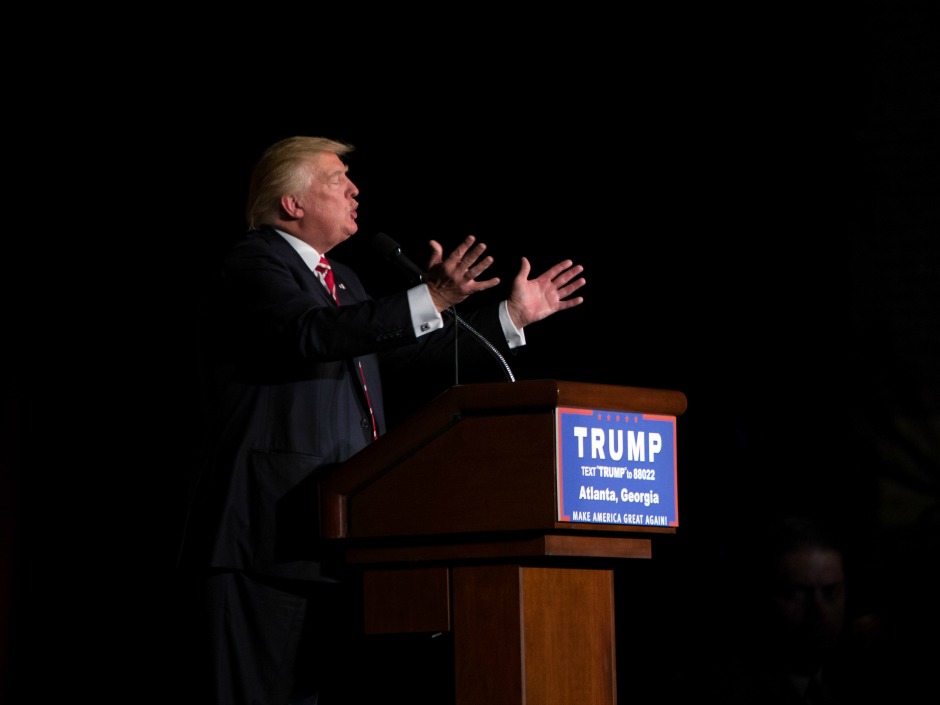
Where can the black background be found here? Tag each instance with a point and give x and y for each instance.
(752, 194)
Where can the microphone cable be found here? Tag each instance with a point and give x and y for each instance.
(461, 323)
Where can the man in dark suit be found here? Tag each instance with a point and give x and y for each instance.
(293, 387)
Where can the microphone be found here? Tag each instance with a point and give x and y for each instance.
(391, 252)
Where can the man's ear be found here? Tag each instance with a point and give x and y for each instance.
(291, 207)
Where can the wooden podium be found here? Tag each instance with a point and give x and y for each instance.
(452, 519)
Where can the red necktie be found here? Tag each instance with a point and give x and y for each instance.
(327, 272)
(375, 429)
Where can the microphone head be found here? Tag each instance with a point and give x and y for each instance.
(391, 251)
(386, 246)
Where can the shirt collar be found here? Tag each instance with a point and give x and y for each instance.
(309, 255)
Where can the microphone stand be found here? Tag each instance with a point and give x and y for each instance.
(391, 252)
(452, 313)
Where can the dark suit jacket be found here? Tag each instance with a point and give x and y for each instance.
(284, 400)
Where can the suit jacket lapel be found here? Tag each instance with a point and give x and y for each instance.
(297, 265)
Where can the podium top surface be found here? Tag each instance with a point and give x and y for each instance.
(553, 393)
(504, 398)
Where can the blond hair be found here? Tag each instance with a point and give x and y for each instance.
(285, 168)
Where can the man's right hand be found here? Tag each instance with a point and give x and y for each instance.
(453, 278)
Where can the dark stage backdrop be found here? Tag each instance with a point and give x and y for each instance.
(755, 210)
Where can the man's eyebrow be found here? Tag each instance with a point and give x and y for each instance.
(337, 172)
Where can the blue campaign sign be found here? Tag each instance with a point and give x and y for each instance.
(616, 467)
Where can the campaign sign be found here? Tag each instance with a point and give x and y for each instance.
(616, 467)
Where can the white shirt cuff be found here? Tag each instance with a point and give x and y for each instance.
(424, 315)
(515, 337)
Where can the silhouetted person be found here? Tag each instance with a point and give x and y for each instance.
(792, 638)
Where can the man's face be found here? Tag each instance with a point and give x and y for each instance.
(810, 599)
(330, 204)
